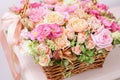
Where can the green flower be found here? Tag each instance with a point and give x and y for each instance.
(51, 45)
(116, 35)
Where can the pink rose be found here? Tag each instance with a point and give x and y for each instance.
(76, 50)
(51, 1)
(102, 39)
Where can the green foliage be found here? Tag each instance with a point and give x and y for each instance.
(51, 45)
(68, 74)
(83, 49)
(87, 55)
(66, 63)
(72, 43)
(33, 47)
(116, 41)
(36, 60)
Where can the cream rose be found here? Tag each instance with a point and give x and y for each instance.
(81, 38)
(94, 23)
(90, 44)
(44, 60)
(77, 25)
(62, 42)
(54, 17)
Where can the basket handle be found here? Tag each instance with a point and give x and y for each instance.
(25, 7)
(94, 2)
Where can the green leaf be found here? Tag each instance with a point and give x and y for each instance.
(89, 60)
(116, 42)
(83, 48)
(68, 74)
(51, 45)
(66, 63)
(36, 60)
(59, 63)
(90, 53)
(33, 47)
(72, 43)
(82, 58)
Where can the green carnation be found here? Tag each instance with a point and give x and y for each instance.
(116, 35)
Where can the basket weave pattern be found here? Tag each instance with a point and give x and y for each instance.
(57, 72)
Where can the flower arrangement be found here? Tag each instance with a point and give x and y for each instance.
(62, 31)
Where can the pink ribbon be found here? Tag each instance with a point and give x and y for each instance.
(10, 21)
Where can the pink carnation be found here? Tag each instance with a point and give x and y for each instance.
(112, 26)
(56, 31)
(35, 5)
(115, 27)
(94, 12)
(102, 38)
(44, 31)
(102, 7)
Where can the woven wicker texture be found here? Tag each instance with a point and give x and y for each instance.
(58, 72)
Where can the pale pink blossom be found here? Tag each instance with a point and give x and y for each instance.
(71, 9)
(76, 49)
(36, 14)
(25, 34)
(34, 34)
(102, 39)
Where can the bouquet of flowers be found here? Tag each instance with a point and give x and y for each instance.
(62, 31)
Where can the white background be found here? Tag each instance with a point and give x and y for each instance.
(5, 73)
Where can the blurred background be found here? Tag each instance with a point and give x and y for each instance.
(5, 73)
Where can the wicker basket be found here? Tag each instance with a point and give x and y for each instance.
(56, 72)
